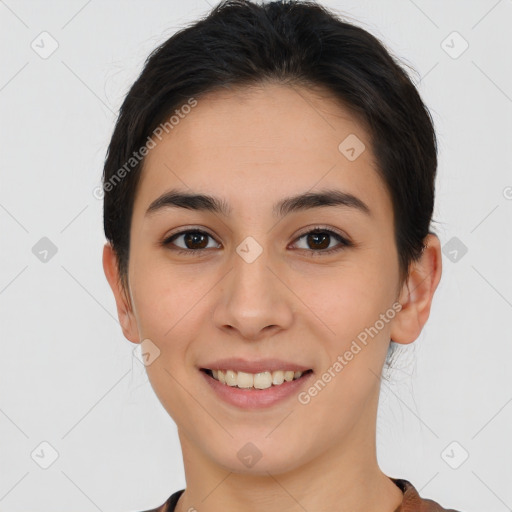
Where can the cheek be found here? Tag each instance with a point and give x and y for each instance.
(345, 306)
(344, 326)
(167, 304)
(168, 310)
(344, 297)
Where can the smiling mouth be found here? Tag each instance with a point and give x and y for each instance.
(256, 381)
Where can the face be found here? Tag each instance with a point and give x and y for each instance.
(254, 283)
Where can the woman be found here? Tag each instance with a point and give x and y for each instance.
(269, 189)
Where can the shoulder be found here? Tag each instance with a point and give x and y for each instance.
(170, 504)
(413, 502)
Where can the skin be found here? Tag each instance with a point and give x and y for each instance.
(253, 147)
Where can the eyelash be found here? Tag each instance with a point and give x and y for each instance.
(317, 229)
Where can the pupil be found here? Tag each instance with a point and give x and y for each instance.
(315, 236)
(193, 237)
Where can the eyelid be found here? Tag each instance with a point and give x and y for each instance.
(317, 227)
(185, 229)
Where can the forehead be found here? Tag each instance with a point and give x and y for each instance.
(255, 145)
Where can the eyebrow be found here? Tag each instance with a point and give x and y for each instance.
(202, 202)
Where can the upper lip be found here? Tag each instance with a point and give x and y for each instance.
(254, 366)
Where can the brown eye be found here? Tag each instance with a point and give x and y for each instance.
(192, 240)
(319, 241)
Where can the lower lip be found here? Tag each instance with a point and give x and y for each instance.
(256, 398)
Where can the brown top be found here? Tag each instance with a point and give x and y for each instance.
(412, 501)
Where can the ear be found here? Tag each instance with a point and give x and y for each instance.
(417, 293)
(123, 303)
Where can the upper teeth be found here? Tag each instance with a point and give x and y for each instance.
(261, 380)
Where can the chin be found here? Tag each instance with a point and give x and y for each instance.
(258, 457)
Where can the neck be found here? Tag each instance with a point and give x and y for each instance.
(345, 477)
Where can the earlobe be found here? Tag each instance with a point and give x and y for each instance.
(124, 308)
(418, 292)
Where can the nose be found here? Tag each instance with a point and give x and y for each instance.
(254, 299)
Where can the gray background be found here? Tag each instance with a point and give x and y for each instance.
(69, 378)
